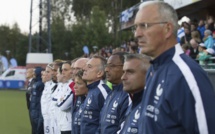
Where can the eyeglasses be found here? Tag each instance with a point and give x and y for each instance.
(144, 25)
(112, 65)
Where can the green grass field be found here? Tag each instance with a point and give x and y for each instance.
(14, 118)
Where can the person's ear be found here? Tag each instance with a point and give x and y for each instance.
(169, 29)
(100, 74)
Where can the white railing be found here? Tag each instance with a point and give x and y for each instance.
(209, 66)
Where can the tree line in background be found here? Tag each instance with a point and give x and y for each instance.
(74, 24)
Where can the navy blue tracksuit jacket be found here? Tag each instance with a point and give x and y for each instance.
(113, 111)
(76, 114)
(178, 97)
(97, 93)
(130, 125)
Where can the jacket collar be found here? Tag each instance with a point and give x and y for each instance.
(94, 84)
(118, 87)
(163, 58)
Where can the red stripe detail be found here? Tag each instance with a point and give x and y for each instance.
(71, 85)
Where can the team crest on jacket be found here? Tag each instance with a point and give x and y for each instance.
(136, 116)
(80, 111)
(115, 104)
(89, 101)
(159, 91)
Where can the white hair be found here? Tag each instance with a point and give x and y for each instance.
(208, 32)
(165, 11)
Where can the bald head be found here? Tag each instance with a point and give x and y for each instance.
(79, 65)
(193, 43)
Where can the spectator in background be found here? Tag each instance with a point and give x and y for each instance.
(94, 74)
(194, 49)
(193, 27)
(178, 94)
(30, 81)
(180, 32)
(208, 39)
(205, 55)
(186, 48)
(201, 28)
(117, 101)
(195, 35)
(210, 22)
(210, 53)
(207, 26)
(133, 79)
(80, 93)
(35, 103)
(133, 46)
(186, 39)
(202, 56)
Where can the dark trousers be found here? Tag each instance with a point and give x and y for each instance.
(66, 132)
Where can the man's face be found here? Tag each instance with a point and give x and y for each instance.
(114, 69)
(80, 87)
(30, 73)
(193, 44)
(151, 39)
(133, 78)
(66, 71)
(49, 73)
(92, 71)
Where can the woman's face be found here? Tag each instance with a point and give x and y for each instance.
(80, 87)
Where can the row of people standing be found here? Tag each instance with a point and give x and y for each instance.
(93, 107)
(98, 109)
(176, 96)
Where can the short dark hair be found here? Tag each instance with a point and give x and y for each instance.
(121, 56)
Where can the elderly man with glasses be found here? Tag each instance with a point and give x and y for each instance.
(178, 96)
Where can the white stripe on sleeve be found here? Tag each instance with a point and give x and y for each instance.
(199, 108)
